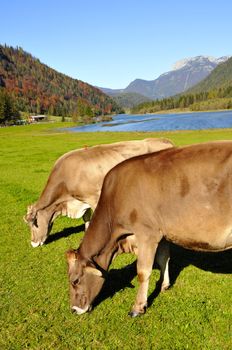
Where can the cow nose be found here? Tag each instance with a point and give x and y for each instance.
(36, 244)
(78, 310)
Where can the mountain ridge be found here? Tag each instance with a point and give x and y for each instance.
(184, 74)
(37, 88)
(221, 77)
(212, 93)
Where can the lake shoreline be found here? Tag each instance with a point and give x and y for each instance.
(181, 111)
(162, 122)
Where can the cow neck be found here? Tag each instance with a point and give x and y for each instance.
(98, 247)
(105, 257)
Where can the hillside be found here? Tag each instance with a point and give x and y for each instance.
(37, 88)
(111, 92)
(129, 99)
(221, 77)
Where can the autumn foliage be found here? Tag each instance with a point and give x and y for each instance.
(37, 88)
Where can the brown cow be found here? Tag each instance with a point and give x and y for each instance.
(74, 184)
(183, 195)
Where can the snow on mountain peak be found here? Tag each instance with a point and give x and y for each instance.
(199, 59)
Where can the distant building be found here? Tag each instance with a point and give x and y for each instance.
(36, 118)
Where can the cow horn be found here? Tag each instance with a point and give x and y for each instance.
(93, 271)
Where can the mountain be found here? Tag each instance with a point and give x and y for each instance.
(37, 88)
(129, 99)
(220, 78)
(111, 92)
(125, 99)
(185, 74)
(213, 93)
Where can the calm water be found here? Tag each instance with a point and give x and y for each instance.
(160, 122)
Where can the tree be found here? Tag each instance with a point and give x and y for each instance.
(8, 110)
(2, 103)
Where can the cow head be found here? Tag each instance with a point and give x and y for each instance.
(85, 282)
(40, 224)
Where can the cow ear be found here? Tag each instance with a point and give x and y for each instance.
(71, 256)
(93, 271)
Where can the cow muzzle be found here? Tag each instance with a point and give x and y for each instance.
(77, 310)
(36, 244)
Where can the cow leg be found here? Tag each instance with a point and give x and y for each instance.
(146, 255)
(162, 258)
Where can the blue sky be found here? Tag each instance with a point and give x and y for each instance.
(110, 43)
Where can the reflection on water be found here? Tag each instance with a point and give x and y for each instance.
(162, 122)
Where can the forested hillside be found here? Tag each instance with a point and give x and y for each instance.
(36, 88)
(129, 100)
(214, 92)
(220, 78)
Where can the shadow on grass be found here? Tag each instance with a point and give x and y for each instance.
(119, 279)
(181, 258)
(65, 233)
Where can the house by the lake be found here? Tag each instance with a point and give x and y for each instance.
(36, 118)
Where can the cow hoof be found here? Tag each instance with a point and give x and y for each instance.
(134, 313)
(165, 287)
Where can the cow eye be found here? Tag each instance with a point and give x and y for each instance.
(74, 283)
(35, 223)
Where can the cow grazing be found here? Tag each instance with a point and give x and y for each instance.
(74, 185)
(183, 195)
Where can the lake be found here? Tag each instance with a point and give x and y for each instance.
(162, 122)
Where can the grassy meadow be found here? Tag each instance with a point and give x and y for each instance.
(196, 313)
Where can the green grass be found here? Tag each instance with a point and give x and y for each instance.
(34, 302)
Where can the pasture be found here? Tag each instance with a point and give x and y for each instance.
(196, 313)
